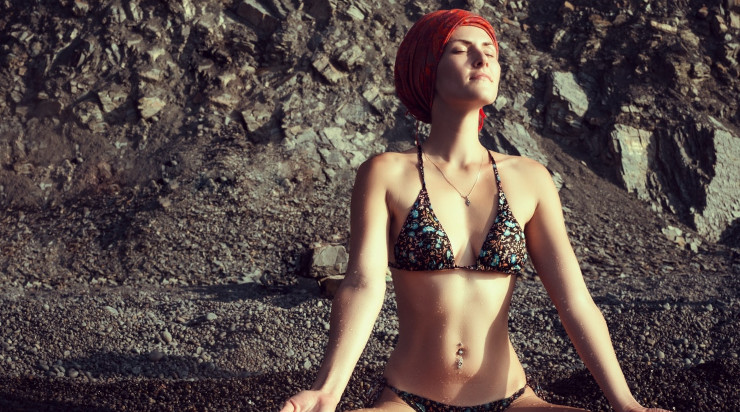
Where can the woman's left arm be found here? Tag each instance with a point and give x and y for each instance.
(557, 267)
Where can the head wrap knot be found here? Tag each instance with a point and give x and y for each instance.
(415, 72)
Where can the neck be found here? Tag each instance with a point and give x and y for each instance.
(454, 138)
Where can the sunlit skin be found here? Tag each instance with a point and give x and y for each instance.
(439, 310)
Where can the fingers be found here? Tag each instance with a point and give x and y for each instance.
(289, 406)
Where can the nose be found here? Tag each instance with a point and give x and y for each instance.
(481, 59)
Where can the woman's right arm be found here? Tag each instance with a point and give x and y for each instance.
(358, 301)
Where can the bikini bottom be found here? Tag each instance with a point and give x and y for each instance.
(421, 404)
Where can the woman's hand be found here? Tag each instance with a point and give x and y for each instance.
(311, 401)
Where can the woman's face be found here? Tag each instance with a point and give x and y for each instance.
(468, 72)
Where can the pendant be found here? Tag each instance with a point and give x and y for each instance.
(467, 201)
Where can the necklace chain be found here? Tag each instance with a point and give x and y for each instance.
(467, 199)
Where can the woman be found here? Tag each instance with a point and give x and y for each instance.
(454, 285)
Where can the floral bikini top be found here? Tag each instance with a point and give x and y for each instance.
(423, 244)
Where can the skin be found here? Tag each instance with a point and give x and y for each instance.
(440, 309)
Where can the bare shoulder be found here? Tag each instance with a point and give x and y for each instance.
(386, 167)
(524, 171)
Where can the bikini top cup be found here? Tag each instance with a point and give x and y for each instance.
(423, 244)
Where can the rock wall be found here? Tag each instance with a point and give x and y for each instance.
(283, 99)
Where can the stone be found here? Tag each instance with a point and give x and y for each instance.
(332, 158)
(153, 75)
(225, 100)
(110, 309)
(258, 116)
(150, 106)
(514, 139)
(665, 28)
(80, 8)
(111, 99)
(257, 15)
(355, 13)
(89, 114)
(351, 57)
(327, 70)
(722, 192)
(328, 260)
(116, 14)
(700, 70)
(631, 145)
(689, 37)
(210, 316)
(338, 138)
(567, 103)
(718, 25)
(734, 19)
(134, 11)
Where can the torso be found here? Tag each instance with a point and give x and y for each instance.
(438, 310)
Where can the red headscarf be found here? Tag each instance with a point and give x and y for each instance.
(420, 51)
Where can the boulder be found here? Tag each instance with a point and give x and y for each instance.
(327, 70)
(150, 106)
(567, 104)
(515, 139)
(328, 260)
(722, 207)
(258, 15)
(631, 146)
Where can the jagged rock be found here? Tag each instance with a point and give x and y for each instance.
(150, 106)
(699, 70)
(722, 193)
(355, 13)
(134, 11)
(116, 14)
(258, 15)
(351, 57)
(665, 28)
(89, 114)
(332, 158)
(328, 260)
(257, 116)
(690, 38)
(153, 75)
(631, 145)
(734, 19)
(514, 139)
(305, 139)
(338, 138)
(322, 64)
(567, 103)
(718, 25)
(80, 8)
(225, 100)
(111, 99)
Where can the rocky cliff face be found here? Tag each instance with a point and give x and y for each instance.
(245, 120)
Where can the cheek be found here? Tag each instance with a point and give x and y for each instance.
(496, 69)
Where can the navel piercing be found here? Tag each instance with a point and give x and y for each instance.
(459, 357)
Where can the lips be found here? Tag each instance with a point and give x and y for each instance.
(479, 76)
